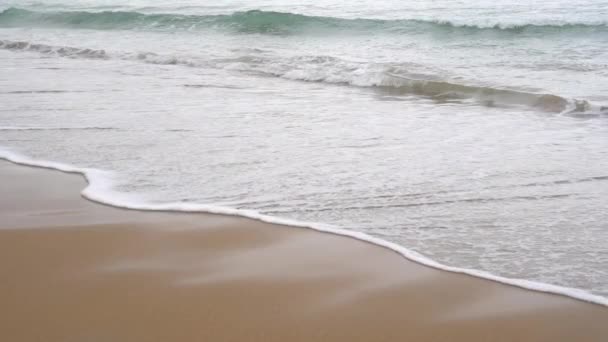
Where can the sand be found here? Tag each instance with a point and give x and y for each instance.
(74, 270)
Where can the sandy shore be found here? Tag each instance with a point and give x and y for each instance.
(73, 270)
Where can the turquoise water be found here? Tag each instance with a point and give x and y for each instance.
(473, 133)
(272, 22)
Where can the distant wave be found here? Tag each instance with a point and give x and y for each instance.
(384, 78)
(263, 22)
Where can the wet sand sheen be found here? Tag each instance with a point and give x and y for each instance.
(73, 270)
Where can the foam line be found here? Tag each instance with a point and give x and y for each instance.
(99, 189)
(389, 79)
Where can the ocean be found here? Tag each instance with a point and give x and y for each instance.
(472, 135)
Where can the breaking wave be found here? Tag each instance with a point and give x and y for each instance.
(266, 22)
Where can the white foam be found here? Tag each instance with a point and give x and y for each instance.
(39, 128)
(402, 78)
(99, 189)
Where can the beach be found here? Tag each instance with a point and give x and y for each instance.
(74, 270)
(468, 138)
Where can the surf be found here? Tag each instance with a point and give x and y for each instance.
(101, 189)
(272, 22)
(385, 79)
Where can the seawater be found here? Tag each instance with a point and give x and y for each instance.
(471, 135)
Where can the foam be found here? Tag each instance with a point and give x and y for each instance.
(387, 78)
(35, 128)
(100, 189)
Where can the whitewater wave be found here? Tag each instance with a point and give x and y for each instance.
(100, 189)
(62, 51)
(267, 22)
(386, 78)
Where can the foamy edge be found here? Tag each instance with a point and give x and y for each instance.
(99, 189)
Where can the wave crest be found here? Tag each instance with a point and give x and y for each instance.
(265, 22)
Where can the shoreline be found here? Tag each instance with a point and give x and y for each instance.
(99, 194)
(76, 270)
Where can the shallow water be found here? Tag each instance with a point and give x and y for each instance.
(474, 134)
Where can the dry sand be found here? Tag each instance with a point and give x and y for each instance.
(73, 270)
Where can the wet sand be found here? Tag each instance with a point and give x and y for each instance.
(74, 270)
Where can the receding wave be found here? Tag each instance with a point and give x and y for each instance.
(383, 78)
(265, 22)
(101, 188)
